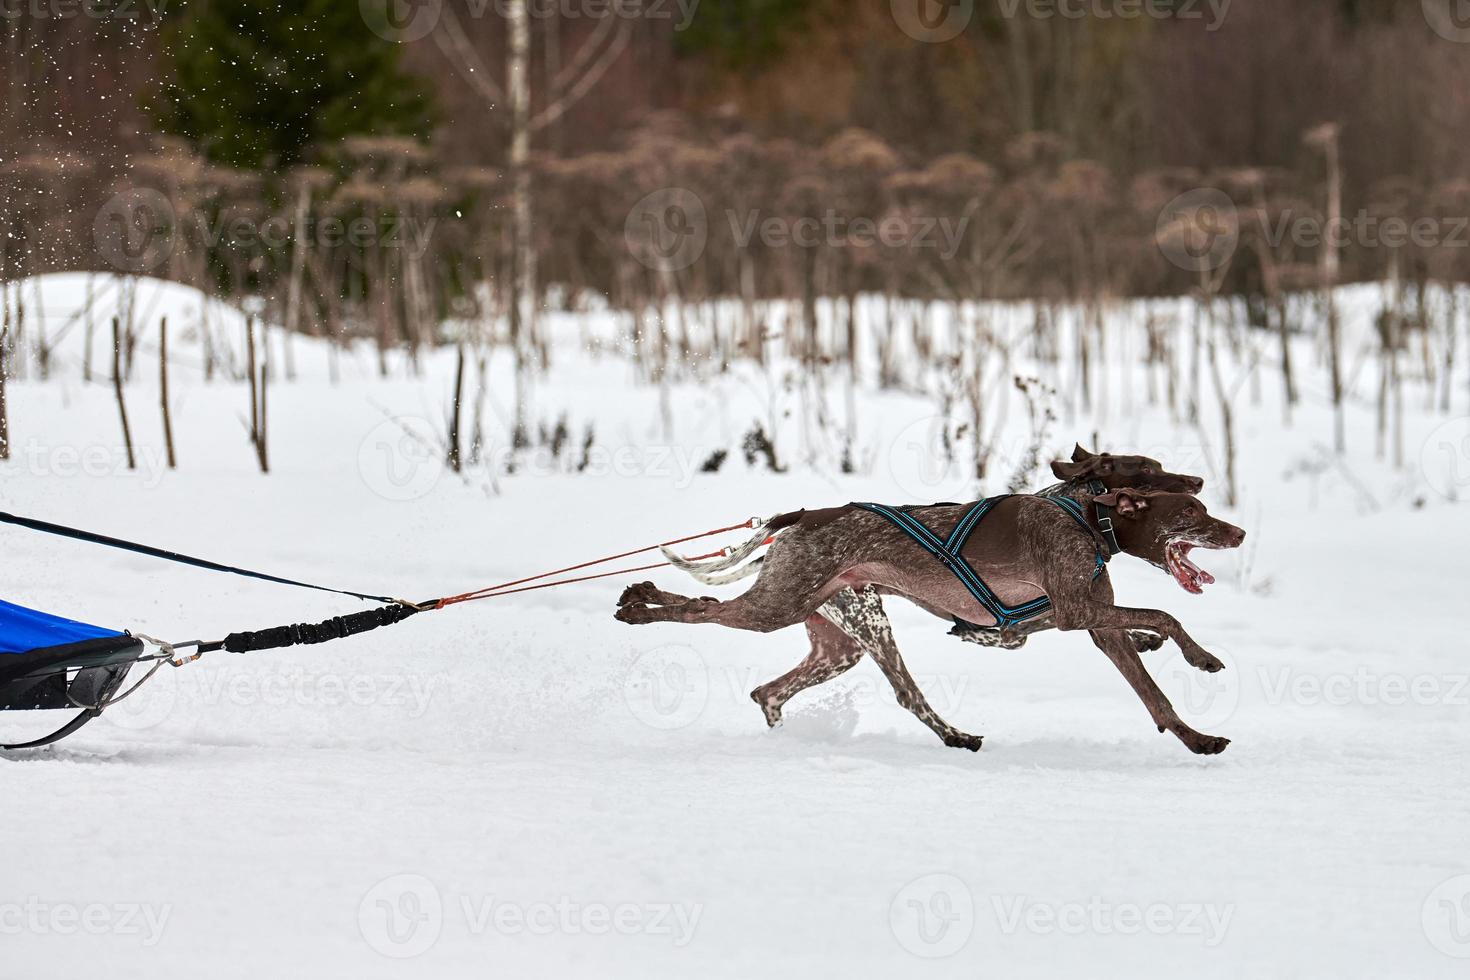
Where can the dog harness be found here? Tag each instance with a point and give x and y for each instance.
(947, 550)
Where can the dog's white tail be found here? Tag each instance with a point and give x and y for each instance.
(708, 572)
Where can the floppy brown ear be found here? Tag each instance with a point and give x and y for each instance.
(1079, 454)
(1125, 502)
(1063, 470)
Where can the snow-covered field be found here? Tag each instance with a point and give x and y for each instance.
(524, 787)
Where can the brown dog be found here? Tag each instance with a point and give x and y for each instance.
(1028, 547)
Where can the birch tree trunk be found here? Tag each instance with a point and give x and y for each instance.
(4, 371)
(523, 281)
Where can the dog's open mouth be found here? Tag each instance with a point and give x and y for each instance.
(1191, 577)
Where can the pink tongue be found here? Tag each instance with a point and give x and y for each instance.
(1194, 569)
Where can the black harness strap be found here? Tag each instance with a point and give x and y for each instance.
(174, 556)
(1104, 517)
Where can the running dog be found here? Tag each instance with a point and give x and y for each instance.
(1030, 549)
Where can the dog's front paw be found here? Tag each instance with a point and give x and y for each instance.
(634, 612)
(638, 592)
(959, 740)
(1204, 660)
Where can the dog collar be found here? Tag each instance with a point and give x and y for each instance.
(1104, 515)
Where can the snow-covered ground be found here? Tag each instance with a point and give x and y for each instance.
(524, 787)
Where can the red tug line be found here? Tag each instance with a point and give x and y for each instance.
(508, 588)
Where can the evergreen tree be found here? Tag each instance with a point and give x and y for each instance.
(743, 34)
(257, 82)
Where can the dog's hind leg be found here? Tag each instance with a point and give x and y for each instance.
(792, 585)
(875, 636)
(650, 593)
(832, 653)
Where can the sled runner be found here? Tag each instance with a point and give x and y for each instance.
(47, 662)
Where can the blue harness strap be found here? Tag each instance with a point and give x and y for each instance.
(948, 549)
